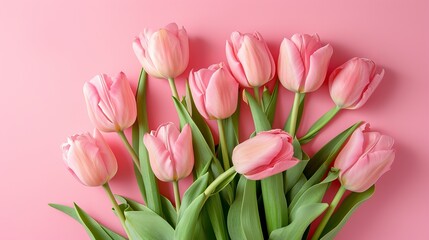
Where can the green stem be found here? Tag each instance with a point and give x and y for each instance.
(116, 207)
(328, 213)
(173, 88)
(211, 188)
(176, 195)
(294, 114)
(223, 145)
(256, 92)
(319, 124)
(130, 149)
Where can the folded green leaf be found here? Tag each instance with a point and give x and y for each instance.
(216, 215)
(324, 157)
(72, 213)
(344, 212)
(243, 216)
(186, 226)
(260, 119)
(147, 224)
(270, 102)
(193, 192)
(305, 215)
(314, 194)
(94, 230)
(293, 174)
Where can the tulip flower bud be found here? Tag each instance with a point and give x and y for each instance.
(215, 91)
(303, 63)
(110, 102)
(351, 84)
(366, 156)
(170, 152)
(89, 158)
(250, 59)
(163, 53)
(264, 155)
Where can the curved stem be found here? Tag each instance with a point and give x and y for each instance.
(294, 114)
(116, 207)
(173, 88)
(176, 195)
(223, 145)
(211, 188)
(130, 149)
(319, 124)
(329, 213)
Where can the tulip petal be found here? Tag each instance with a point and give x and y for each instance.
(183, 153)
(370, 89)
(198, 90)
(367, 170)
(290, 66)
(106, 154)
(168, 134)
(95, 112)
(256, 152)
(140, 46)
(221, 95)
(165, 53)
(235, 66)
(160, 162)
(318, 67)
(267, 171)
(122, 98)
(351, 151)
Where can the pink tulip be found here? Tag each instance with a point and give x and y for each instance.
(303, 63)
(110, 102)
(89, 158)
(366, 156)
(352, 83)
(170, 152)
(163, 53)
(250, 59)
(215, 91)
(264, 155)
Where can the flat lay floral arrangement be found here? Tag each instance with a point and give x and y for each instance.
(265, 187)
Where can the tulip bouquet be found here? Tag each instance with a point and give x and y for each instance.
(266, 187)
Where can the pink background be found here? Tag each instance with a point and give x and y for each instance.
(49, 48)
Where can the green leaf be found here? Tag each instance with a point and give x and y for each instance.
(202, 151)
(147, 224)
(296, 188)
(153, 199)
(94, 230)
(72, 213)
(319, 124)
(243, 215)
(293, 174)
(270, 102)
(260, 119)
(324, 157)
(274, 199)
(193, 192)
(344, 212)
(300, 111)
(216, 215)
(186, 226)
(305, 216)
(313, 194)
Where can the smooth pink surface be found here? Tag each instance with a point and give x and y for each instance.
(48, 49)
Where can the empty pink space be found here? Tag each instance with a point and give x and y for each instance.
(48, 49)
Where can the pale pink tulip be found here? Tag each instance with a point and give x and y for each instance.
(163, 53)
(303, 63)
(215, 91)
(264, 155)
(250, 59)
(170, 152)
(89, 158)
(351, 84)
(110, 102)
(366, 156)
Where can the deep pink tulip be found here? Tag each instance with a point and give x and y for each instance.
(89, 158)
(250, 59)
(351, 84)
(170, 152)
(215, 91)
(163, 53)
(110, 102)
(264, 155)
(366, 156)
(303, 63)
